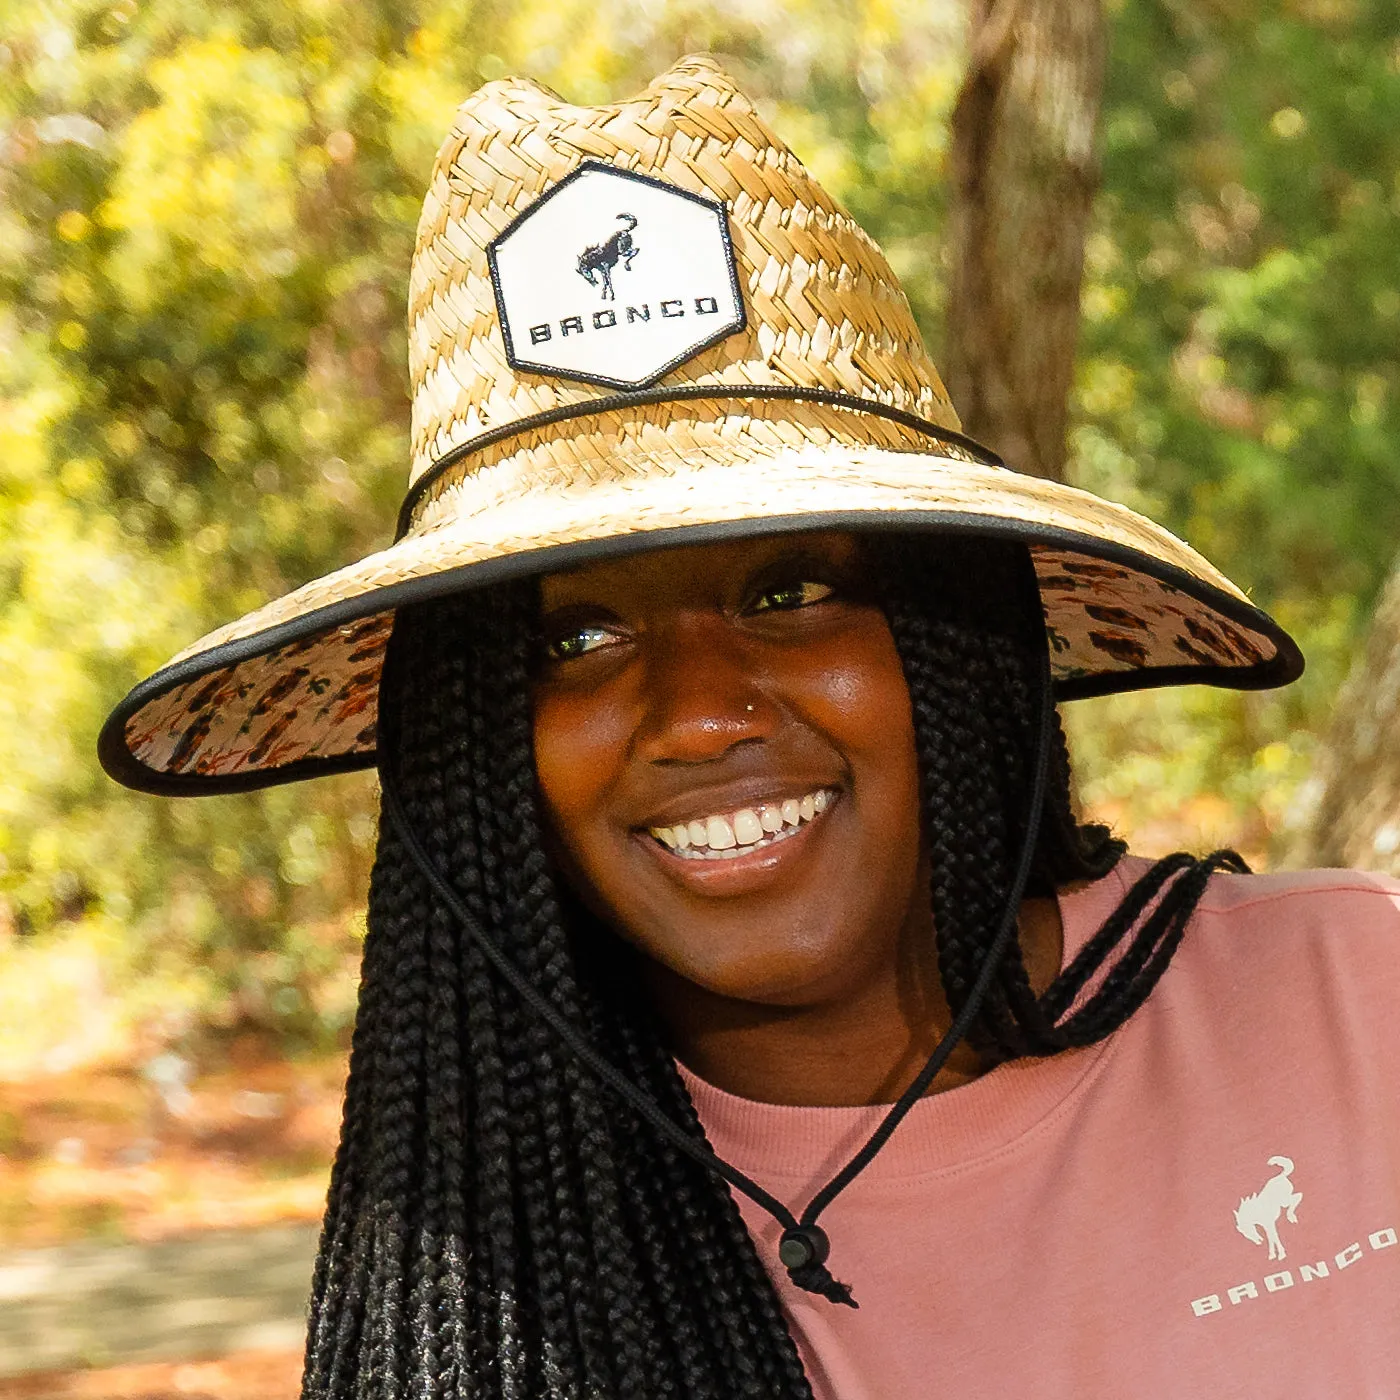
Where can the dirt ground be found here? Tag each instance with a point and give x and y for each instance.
(157, 1225)
(141, 1153)
(252, 1375)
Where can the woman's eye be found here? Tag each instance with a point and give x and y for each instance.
(578, 642)
(792, 595)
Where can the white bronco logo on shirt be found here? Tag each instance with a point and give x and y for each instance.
(1260, 1212)
(1257, 1219)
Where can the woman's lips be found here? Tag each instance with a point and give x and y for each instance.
(728, 836)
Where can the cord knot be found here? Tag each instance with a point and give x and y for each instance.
(803, 1251)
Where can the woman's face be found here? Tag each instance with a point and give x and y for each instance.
(725, 750)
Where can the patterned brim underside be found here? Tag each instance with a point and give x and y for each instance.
(315, 699)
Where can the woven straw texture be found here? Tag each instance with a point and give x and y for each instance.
(297, 680)
(825, 310)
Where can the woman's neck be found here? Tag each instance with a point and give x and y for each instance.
(864, 1049)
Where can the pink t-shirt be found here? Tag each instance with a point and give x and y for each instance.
(1204, 1206)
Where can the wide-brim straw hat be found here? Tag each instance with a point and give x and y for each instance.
(644, 324)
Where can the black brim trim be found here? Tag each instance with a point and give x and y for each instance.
(686, 393)
(120, 763)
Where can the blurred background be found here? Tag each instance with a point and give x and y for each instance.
(1167, 231)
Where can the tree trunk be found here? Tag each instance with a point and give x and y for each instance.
(1357, 819)
(1025, 170)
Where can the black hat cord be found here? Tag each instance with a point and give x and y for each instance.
(804, 1246)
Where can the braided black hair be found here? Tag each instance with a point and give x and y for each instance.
(498, 1226)
(974, 715)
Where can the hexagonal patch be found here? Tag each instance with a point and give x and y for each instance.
(615, 278)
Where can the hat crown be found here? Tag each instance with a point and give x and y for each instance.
(820, 306)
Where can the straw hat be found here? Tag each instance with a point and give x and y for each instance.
(644, 324)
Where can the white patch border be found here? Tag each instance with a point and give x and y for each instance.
(716, 207)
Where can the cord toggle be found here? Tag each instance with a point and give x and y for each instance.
(803, 1251)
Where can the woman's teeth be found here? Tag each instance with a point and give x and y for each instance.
(724, 837)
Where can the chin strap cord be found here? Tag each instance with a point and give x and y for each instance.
(808, 1237)
(804, 1246)
(550, 1014)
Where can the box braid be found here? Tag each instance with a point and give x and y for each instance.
(497, 1227)
(970, 671)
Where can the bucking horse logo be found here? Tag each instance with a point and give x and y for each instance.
(602, 258)
(1257, 1216)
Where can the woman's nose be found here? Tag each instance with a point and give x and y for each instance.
(702, 695)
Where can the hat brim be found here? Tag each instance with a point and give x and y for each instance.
(289, 691)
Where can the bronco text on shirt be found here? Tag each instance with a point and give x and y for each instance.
(1206, 1205)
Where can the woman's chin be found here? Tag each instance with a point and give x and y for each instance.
(773, 976)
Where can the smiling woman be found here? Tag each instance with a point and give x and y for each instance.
(735, 953)
(689, 698)
(727, 759)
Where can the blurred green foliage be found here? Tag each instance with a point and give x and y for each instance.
(206, 219)
(1239, 377)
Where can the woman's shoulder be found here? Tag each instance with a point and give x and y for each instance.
(1289, 953)
(1302, 890)
(1297, 898)
(1292, 935)
(1344, 907)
